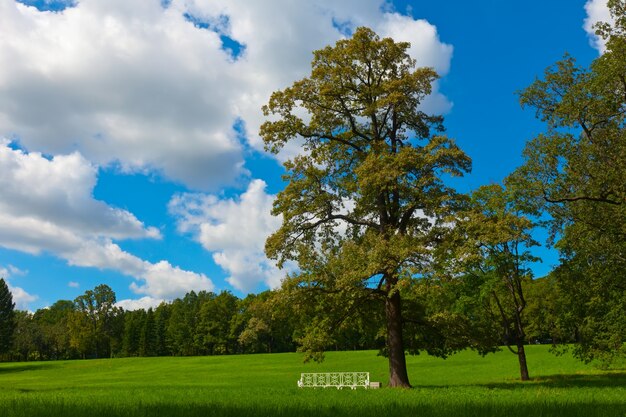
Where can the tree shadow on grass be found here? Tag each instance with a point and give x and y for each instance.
(604, 380)
(609, 379)
(11, 369)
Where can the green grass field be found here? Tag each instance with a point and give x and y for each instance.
(265, 385)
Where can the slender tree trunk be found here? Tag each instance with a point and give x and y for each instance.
(398, 376)
(520, 339)
(521, 356)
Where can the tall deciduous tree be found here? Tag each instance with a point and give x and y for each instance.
(496, 256)
(576, 171)
(7, 317)
(94, 327)
(365, 197)
(52, 323)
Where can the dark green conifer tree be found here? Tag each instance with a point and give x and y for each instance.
(7, 317)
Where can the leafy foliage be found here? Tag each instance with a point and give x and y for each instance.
(202, 323)
(94, 322)
(365, 201)
(495, 237)
(576, 172)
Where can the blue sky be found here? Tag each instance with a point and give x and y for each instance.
(129, 152)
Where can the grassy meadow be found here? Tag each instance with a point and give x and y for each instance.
(265, 385)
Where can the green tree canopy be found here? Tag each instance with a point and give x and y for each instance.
(94, 325)
(576, 171)
(7, 317)
(494, 257)
(365, 201)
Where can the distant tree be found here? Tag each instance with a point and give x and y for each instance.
(182, 323)
(161, 317)
(547, 312)
(94, 325)
(239, 323)
(82, 334)
(7, 317)
(53, 325)
(576, 172)
(27, 340)
(366, 194)
(497, 238)
(268, 323)
(147, 339)
(216, 314)
(133, 325)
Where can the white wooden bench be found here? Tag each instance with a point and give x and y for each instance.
(337, 380)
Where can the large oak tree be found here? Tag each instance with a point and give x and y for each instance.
(365, 202)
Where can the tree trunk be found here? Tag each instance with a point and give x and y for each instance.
(520, 338)
(398, 376)
(521, 356)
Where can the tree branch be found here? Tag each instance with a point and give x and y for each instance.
(331, 138)
(343, 217)
(404, 221)
(580, 198)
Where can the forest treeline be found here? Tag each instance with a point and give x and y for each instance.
(203, 323)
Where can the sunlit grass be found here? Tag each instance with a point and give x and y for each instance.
(265, 385)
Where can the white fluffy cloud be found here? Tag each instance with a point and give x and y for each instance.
(235, 231)
(153, 88)
(21, 298)
(138, 84)
(48, 205)
(122, 81)
(47, 199)
(141, 303)
(597, 11)
(166, 281)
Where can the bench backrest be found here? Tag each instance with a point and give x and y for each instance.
(334, 379)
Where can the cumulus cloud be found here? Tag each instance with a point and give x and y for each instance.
(152, 86)
(55, 195)
(47, 205)
(597, 11)
(235, 230)
(21, 298)
(160, 279)
(120, 81)
(141, 303)
(164, 280)
(157, 88)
